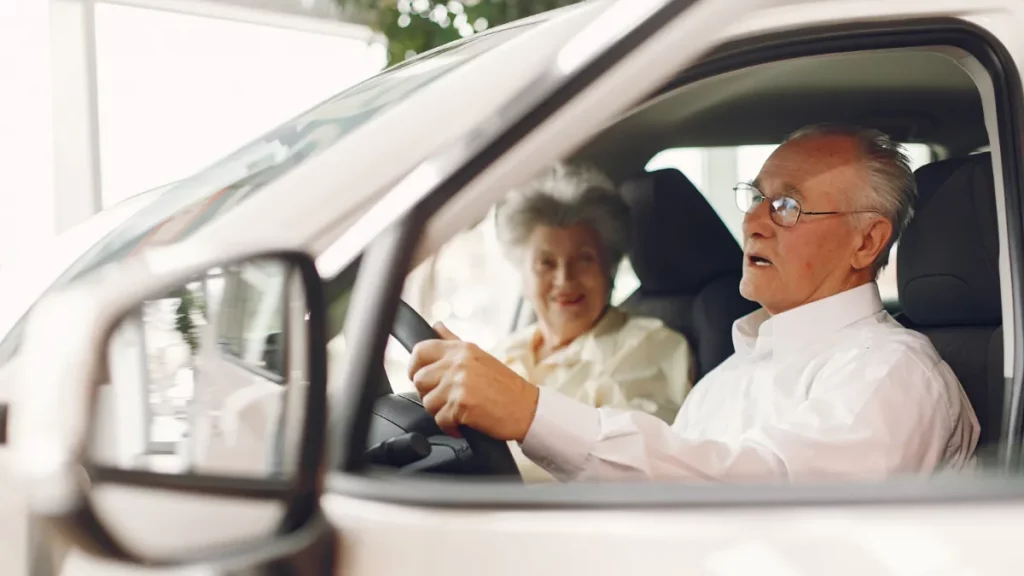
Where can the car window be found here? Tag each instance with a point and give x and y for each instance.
(252, 316)
(190, 204)
(469, 285)
(715, 170)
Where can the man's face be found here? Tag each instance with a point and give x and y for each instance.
(821, 255)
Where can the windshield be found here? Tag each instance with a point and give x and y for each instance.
(188, 205)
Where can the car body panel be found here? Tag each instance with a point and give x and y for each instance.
(891, 540)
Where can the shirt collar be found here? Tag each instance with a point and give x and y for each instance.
(793, 329)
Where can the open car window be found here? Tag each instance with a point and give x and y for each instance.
(715, 170)
(472, 287)
(709, 145)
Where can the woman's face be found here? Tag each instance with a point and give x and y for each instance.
(566, 280)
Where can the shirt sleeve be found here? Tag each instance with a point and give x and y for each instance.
(864, 419)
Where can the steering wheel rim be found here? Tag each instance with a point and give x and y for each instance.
(489, 453)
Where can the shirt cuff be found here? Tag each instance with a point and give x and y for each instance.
(562, 434)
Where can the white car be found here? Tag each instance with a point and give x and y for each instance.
(309, 463)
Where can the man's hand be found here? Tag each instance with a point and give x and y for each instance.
(460, 384)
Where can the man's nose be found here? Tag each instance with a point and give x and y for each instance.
(758, 223)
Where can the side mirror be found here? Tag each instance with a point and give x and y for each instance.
(203, 404)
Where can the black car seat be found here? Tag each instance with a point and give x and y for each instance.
(948, 275)
(688, 263)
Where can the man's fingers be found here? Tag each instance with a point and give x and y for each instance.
(438, 404)
(434, 399)
(426, 353)
(429, 378)
(444, 332)
(447, 421)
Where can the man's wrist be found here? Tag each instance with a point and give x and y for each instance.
(531, 396)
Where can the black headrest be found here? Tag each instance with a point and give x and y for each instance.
(680, 243)
(948, 259)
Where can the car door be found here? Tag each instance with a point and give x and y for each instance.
(395, 526)
(607, 52)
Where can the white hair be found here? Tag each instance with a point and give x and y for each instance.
(562, 196)
(893, 187)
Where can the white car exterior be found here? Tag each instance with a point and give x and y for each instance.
(336, 203)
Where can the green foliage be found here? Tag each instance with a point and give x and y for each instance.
(189, 303)
(415, 26)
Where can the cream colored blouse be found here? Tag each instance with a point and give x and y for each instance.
(624, 361)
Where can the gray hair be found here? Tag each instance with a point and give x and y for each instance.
(893, 187)
(562, 196)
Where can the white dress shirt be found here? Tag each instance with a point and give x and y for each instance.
(832, 390)
(624, 361)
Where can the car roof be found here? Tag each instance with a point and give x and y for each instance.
(914, 95)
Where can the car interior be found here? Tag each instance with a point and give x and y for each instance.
(688, 263)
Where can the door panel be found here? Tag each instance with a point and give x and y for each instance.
(899, 540)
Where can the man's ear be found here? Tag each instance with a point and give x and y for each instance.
(873, 238)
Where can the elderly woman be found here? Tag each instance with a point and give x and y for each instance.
(567, 232)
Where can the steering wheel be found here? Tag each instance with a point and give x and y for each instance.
(489, 456)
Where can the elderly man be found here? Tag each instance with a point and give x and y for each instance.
(823, 385)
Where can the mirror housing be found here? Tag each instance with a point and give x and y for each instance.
(75, 347)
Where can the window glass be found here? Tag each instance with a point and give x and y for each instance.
(470, 285)
(714, 171)
(252, 319)
(473, 287)
(626, 282)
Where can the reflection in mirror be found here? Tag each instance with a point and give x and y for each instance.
(209, 378)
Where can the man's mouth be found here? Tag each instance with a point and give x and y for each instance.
(761, 261)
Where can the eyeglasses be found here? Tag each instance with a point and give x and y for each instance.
(784, 210)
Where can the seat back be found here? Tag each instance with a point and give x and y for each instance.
(948, 275)
(688, 263)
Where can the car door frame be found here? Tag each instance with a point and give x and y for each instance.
(388, 258)
(620, 33)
